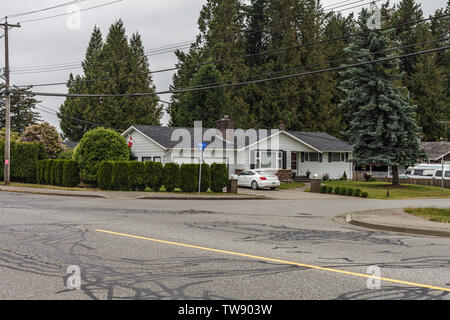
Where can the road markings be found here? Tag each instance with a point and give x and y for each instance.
(362, 275)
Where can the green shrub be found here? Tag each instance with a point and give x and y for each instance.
(71, 174)
(344, 177)
(323, 189)
(357, 192)
(53, 173)
(96, 146)
(154, 175)
(136, 176)
(119, 176)
(66, 155)
(189, 177)
(343, 191)
(104, 175)
(350, 192)
(171, 177)
(330, 190)
(59, 171)
(48, 171)
(364, 194)
(219, 177)
(40, 166)
(24, 158)
(337, 190)
(206, 178)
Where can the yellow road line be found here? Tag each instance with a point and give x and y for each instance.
(278, 261)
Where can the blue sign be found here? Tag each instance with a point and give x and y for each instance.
(202, 146)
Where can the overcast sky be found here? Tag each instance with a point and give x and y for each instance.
(50, 42)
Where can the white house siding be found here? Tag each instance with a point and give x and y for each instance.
(144, 147)
(335, 170)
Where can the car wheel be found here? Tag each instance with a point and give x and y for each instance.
(254, 185)
(273, 189)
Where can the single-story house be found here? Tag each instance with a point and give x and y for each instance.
(277, 150)
(437, 150)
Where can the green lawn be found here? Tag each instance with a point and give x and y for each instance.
(40, 186)
(378, 190)
(432, 214)
(290, 185)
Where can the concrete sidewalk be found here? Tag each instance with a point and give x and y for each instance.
(129, 195)
(396, 220)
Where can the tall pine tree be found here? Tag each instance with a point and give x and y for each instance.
(382, 127)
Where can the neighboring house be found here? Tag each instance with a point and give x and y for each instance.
(71, 145)
(437, 150)
(279, 151)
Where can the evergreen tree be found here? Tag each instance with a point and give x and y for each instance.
(382, 128)
(115, 66)
(22, 109)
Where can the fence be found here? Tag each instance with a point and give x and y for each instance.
(422, 182)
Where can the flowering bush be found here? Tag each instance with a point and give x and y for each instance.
(48, 135)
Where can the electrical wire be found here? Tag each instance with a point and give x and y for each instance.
(129, 95)
(44, 9)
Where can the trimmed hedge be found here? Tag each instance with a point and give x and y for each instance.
(59, 171)
(40, 166)
(71, 174)
(343, 191)
(154, 175)
(330, 190)
(171, 177)
(323, 189)
(48, 171)
(357, 192)
(136, 176)
(337, 190)
(364, 194)
(206, 178)
(104, 175)
(189, 177)
(350, 192)
(119, 176)
(219, 177)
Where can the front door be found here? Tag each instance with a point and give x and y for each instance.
(294, 162)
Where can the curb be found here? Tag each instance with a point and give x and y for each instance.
(78, 195)
(199, 198)
(391, 228)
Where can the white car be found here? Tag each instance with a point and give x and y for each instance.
(257, 179)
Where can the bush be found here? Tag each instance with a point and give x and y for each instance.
(189, 177)
(48, 171)
(357, 192)
(364, 194)
(96, 146)
(367, 176)
(154, 172)
(350, 192)
(343, 191)
(171, 177)
(323, 189)
(40, 171)
(344, 177)
(337, 190)
(136, 176)
(53, 173)
(330, 190)
(326, 177)
(24, 158)
(219, 177)
(119, 176)
(104, 175)
(66, 155)
(59, 171)
(47, 135)
(206, 178)
(71, 174)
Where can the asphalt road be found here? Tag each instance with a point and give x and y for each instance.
(269, 249)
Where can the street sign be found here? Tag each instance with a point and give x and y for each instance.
(202, 146)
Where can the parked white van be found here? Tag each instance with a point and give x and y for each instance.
(427, 171)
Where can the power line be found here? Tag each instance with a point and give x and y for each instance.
(69, 13)
(182, 46)
(44, 9)
(129, 95)
(248, 55)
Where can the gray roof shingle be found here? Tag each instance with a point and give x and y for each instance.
(436, 150)
(319, 140)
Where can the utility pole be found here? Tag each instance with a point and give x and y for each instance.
(7, 179)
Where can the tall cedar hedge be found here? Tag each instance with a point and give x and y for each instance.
(136, 176)
(119, 176)
(71, 173)
(219, 177)
(206, 178)
(189, 177)
(59, 171)
(47, 171)
(104, 175)
(172, 177)
(154, 175)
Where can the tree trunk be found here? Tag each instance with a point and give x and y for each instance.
(395, 179)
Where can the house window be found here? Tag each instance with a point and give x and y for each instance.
(146, 159)
(338, 157)
(269, 159)
(157, 159)
(311, 157)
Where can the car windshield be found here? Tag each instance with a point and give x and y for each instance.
(266, 174)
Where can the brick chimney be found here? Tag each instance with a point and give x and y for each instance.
(224, 124)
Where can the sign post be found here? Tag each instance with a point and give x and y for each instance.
(201, 146)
